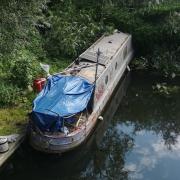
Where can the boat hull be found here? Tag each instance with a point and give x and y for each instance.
(59, 144)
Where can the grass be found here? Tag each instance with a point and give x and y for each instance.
(58, 65)
(15, 119)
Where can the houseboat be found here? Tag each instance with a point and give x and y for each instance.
(69, 106)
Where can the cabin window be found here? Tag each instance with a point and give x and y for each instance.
(125, 52)
(116, 66)
(106, 79)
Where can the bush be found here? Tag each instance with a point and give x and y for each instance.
(24, 69)
(9, 94)
(149, 26)
(72, 30)
(165, 61)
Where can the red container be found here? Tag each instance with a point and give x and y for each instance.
(39, 83)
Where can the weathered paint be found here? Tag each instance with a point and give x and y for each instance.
(107, 81)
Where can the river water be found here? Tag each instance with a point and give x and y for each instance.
(139, 138)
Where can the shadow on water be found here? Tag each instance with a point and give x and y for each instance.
(139, 138)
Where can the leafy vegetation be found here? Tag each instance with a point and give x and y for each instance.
(165, 89)
(9, 94)
(24, 69)
(155, 31)
(13, 120)
(72, 29)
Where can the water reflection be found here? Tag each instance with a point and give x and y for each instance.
(153, 122)
(150, 157)
(138, 139)
(108, 159)
(147, 110)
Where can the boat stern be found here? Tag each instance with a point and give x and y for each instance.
(55, 144)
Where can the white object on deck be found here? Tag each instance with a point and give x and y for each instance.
(12, 147)
(3, 145)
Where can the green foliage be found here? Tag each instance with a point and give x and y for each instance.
(165, 89)
(9, 94)
(24, 69)
(150, 25)
(58, 65)
(155, 30)
(18, 35)
(72, 30)
(13, 120)
(165, 61)
(17, 26)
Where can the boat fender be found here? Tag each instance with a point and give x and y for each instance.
(100, 118)
(128, 68)
(4, 145)
(65, 130)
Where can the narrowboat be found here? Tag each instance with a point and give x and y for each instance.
(67, 109)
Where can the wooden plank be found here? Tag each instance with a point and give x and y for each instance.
(12, 148)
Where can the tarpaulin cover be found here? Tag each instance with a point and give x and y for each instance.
(61, 97)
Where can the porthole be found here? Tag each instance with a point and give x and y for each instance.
(106, 80)
(116, 66)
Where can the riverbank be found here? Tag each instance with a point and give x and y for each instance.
(14, 118)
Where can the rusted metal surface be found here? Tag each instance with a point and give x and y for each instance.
(108, 78)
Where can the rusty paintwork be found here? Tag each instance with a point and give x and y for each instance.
(116, 54)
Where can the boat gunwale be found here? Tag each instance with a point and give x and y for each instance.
(81, 133)
(70, 146)
(78, 128)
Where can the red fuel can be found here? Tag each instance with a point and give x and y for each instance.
(39, 83)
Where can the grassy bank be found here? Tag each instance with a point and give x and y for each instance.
(14, 118)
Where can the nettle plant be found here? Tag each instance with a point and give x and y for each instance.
(9, 94)
(71, 30)
(24, 69)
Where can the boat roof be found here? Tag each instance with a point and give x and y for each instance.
(108, 46)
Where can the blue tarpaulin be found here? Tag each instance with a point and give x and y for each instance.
(61, 97)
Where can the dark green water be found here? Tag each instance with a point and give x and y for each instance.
(138, 139)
